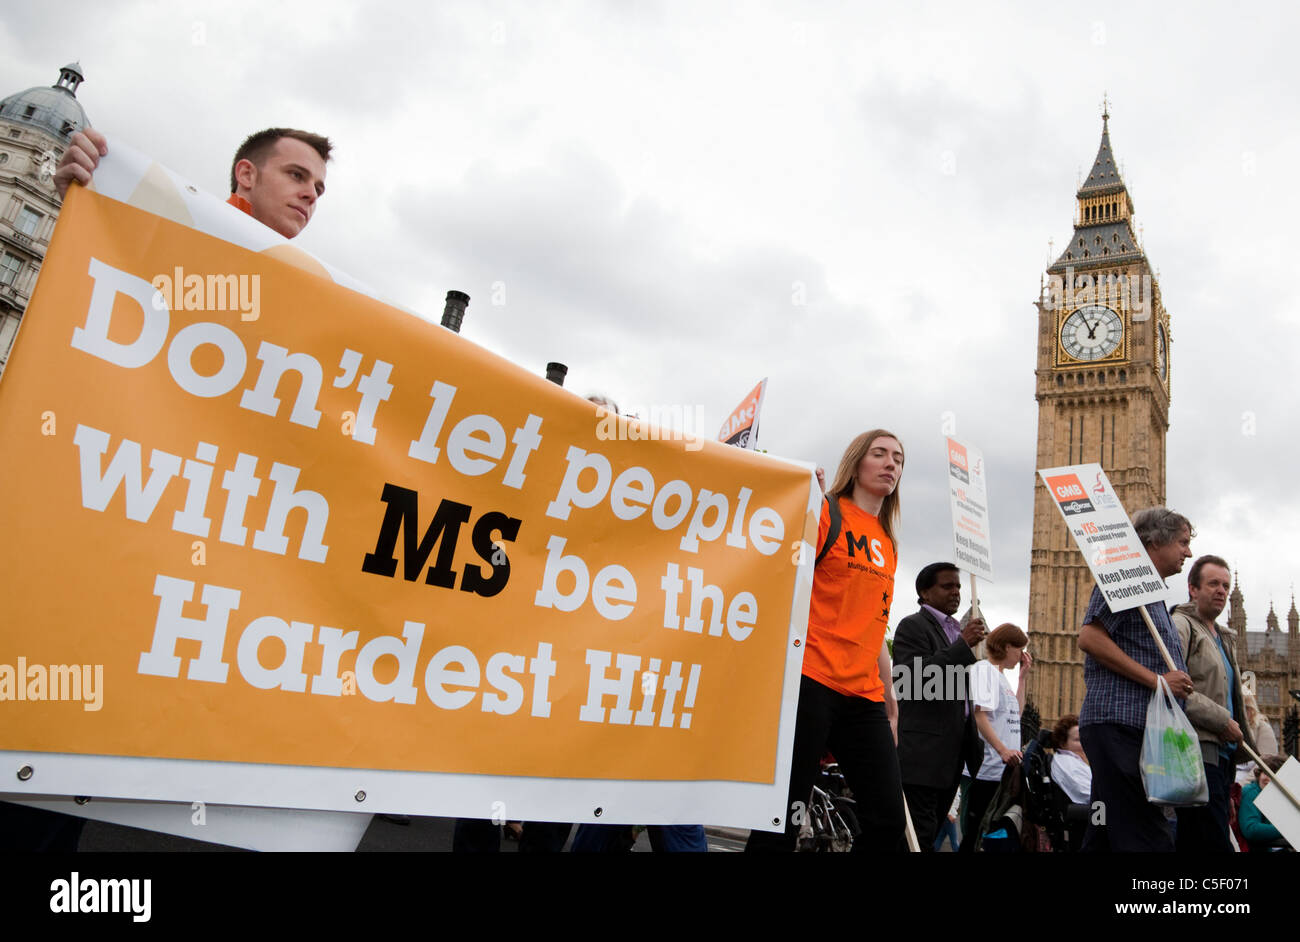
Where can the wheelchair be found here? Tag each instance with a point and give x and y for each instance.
(1046, 804)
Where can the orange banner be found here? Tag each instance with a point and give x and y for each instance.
(332, 534)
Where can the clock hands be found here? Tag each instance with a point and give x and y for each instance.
(1080, 337)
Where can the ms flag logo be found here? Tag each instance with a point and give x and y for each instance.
(1069, 494)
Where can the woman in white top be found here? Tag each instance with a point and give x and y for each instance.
(997, 716)
(1070, 767)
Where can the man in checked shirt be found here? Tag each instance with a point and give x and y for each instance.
(1120, 666)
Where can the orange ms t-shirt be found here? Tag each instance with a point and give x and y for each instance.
(852, 590)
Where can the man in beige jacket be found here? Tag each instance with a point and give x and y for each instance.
(1216, 709)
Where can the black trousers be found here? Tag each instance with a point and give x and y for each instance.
(1206, 830)
(1132, 822)
(857, 731)
(977, 802)
(24, 829)
(929, 810)
(482, 836)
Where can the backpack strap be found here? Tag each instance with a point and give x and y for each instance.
(833, 533)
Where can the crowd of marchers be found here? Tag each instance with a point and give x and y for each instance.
(933, 758)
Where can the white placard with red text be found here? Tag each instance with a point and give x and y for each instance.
(1105, 535)
(968, 492)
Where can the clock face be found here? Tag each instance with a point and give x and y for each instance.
(1162, 353)
(1092, 332)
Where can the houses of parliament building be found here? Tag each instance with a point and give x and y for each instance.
(1272, 656)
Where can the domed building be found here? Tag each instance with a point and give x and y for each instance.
(35, 127)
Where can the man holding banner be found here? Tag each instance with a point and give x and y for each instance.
(515, 638)
(1120, 668)
(276, 176)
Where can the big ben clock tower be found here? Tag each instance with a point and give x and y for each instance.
(1102, 386)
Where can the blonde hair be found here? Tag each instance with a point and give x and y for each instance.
(847, 473)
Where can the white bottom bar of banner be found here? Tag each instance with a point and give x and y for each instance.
(374, 791)
(272, 829)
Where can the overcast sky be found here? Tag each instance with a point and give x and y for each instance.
(852, 199)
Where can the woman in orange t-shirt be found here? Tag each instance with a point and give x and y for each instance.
(846, 694)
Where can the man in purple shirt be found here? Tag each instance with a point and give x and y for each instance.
(936, 728)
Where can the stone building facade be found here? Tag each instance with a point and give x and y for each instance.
(35, 126)
(1272, 656)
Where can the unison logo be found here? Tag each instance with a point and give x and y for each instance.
(76, 895)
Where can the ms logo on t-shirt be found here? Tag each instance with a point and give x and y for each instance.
(860, 543)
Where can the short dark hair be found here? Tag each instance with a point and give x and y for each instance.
(257, 146)
(927, 577)
(1273, 762)
(1194, 574)
(1061, 731)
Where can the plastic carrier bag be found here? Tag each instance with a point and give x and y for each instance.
(1172, 769)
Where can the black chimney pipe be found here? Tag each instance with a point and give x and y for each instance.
(453, 314)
